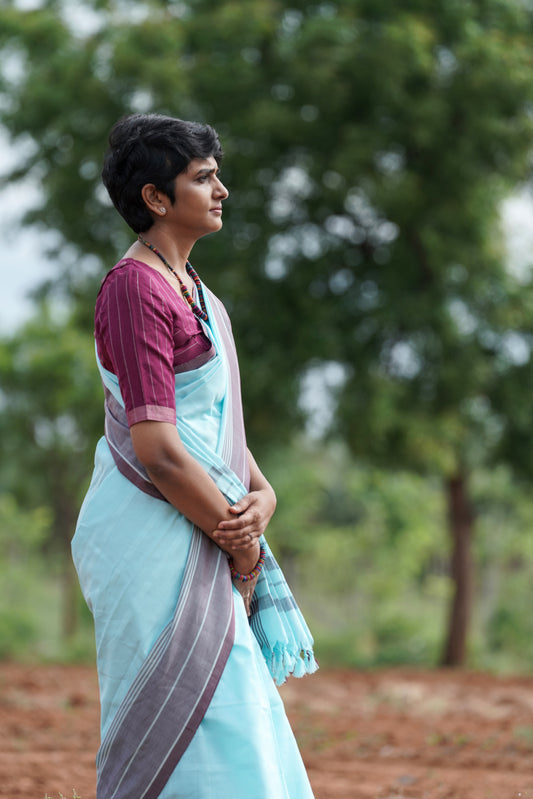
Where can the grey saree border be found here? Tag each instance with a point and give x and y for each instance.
(234, 451)
(118, 437)
(171, 693)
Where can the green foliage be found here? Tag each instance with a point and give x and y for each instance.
(21, 535)
(364, 550)
(367, 557)
(51, 416)
(371, 571)
(31, 602)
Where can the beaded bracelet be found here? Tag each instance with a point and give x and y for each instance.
(256, 571)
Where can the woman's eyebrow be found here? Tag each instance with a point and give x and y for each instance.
(207, 171)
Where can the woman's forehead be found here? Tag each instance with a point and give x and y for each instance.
(197, 165)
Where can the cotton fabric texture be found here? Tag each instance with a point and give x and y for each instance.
(188, 702)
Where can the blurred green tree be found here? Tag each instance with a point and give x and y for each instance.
(51, 412)
(368, 146)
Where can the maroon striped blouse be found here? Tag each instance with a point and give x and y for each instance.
(145, 333)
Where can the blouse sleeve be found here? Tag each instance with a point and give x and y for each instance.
(134, 334)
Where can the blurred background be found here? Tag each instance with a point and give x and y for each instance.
(376, 262)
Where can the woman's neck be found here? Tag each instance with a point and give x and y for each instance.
(174, 252)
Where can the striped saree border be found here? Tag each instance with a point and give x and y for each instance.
(233, 451)
(170, 695)
(118, 437)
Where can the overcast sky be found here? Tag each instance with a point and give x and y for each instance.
(22, 260)
(22, 266)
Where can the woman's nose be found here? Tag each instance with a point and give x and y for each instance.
(220, 190)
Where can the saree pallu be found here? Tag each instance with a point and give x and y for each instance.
(188, 705)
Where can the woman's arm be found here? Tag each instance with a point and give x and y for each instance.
(251, 514)
(186, 484)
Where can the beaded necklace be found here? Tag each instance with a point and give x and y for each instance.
(200, 313)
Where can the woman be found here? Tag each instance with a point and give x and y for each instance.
(169, 544)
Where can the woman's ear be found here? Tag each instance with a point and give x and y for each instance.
(155, 201)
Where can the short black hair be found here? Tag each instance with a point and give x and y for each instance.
(152, 148)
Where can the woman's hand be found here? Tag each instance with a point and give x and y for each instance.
(252, 515)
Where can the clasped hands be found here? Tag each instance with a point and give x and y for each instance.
(252, 515)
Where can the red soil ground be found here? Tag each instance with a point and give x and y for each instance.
(383, 735)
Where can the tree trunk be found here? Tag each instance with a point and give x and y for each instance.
(461, 522)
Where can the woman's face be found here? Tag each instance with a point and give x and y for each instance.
(197, 209)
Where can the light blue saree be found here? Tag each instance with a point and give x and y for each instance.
(189, 709)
